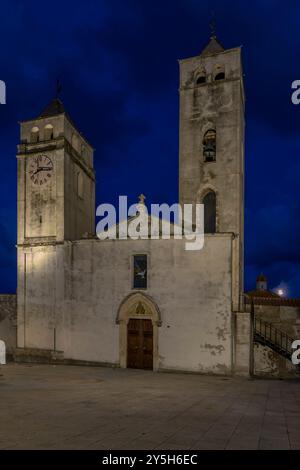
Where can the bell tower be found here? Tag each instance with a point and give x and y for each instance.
(56, 182)
(56, 198)
(211, 153)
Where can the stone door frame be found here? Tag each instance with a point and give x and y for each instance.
(140, 306)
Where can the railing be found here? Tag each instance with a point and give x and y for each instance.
(267, 334)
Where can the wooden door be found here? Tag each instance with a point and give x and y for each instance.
(139, 344)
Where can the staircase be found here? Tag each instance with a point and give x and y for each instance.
(267, 335)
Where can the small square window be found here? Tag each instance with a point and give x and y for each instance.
(140, 272)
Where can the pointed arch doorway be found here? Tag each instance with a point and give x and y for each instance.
(138, 318)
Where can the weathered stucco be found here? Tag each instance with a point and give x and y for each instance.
(268, 363)
(217, 105)
(73, 293)
(243, 341)
(55, 211)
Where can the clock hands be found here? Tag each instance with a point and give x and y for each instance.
(45, 168)
(42, 168)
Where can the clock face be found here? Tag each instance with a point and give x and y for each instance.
(40, 169)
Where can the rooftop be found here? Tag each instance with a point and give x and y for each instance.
(53, 108)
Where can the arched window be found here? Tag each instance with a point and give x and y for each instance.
(34, 134)
(220, 76)
(209, 146)
(201, 79)
(48, 132)
(209, 202)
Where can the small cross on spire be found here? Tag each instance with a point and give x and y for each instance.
(212, 25)
(58, 88)
(142, 199)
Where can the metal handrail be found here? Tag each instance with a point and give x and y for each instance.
(278, 338)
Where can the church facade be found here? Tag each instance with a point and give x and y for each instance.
(146, 304)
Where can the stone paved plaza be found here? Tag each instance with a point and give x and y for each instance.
(72, 407)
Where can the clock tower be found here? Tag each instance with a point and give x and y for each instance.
(56, 206)
(56, 182)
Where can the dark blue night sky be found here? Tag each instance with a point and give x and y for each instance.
(117, 61)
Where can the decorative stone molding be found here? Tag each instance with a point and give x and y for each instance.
(138, 304)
